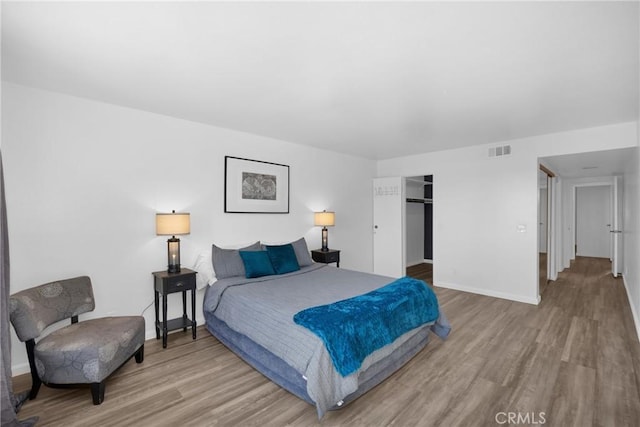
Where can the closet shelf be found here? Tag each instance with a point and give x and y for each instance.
(420, 181)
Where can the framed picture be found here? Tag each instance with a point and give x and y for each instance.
(254, 186)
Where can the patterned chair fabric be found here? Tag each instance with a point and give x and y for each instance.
(88, 351)
(81, 353)
(34, 309)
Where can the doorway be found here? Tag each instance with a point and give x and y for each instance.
(543, 231)
(419, 227)
(547, 211)
(593, 221)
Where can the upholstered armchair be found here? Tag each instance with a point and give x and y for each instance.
(84, 352)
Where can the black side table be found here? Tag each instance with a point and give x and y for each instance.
(165, 283)
(327, 257)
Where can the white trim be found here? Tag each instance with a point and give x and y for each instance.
(636, 319)
(502, 295)
(20, 369)
(558, 264)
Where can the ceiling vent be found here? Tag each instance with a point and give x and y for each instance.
(503, 150)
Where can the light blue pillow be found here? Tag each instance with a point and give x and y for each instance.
(256, 264)
(283, 258)
(227, 262)
(302, 252)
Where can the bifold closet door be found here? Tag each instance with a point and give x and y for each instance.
(388, 226)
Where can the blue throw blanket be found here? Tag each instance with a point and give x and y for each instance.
(354, 328)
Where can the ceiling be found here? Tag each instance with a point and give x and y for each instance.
(591, 164)
(372, 79)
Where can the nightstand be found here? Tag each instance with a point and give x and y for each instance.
(327, 257)
(165, 283)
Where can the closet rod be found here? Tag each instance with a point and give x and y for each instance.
(412, 200)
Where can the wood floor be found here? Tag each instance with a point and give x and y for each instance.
(573, 360)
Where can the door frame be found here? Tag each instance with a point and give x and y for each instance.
(553, 194)
(617, 225)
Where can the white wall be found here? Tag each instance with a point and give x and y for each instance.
(482, 201)
(631, 235)
(85, 179)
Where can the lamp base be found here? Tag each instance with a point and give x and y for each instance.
(325, 239)
(173, 255)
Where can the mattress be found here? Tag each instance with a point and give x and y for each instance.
(253, 317)
(278, 371)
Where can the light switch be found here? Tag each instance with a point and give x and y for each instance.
(522, 228)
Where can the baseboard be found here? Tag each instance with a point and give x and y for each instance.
(19, 369)
(634, 313)
(479, 291)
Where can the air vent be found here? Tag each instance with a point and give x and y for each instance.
(503, 150)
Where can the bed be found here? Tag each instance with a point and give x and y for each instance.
(254, 317)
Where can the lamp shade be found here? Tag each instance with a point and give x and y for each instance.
(171, 224)
(324, 219)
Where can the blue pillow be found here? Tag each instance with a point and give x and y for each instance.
(283, 258)
(256, 264)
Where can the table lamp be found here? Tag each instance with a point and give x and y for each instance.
(325, 219)
(172, 224)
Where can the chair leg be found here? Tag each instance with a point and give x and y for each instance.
(35, 379)
(140, 354)
(35, 387)
(97, 392)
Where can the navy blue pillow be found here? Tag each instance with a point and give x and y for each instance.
(283, 258)
(256, 264)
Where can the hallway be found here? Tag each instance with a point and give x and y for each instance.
(575, 356)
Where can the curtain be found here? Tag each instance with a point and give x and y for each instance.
(10, 402)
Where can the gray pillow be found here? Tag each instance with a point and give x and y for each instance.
(302, 252)
(227, 262)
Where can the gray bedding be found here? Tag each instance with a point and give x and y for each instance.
(263, 308)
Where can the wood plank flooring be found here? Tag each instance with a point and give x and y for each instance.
(575, 358)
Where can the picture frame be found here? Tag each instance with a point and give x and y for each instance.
(255, 186)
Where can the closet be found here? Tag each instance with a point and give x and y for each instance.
(419, 220)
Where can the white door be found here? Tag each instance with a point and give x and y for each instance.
(388, 227)
(593, 221)
(616, 229)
